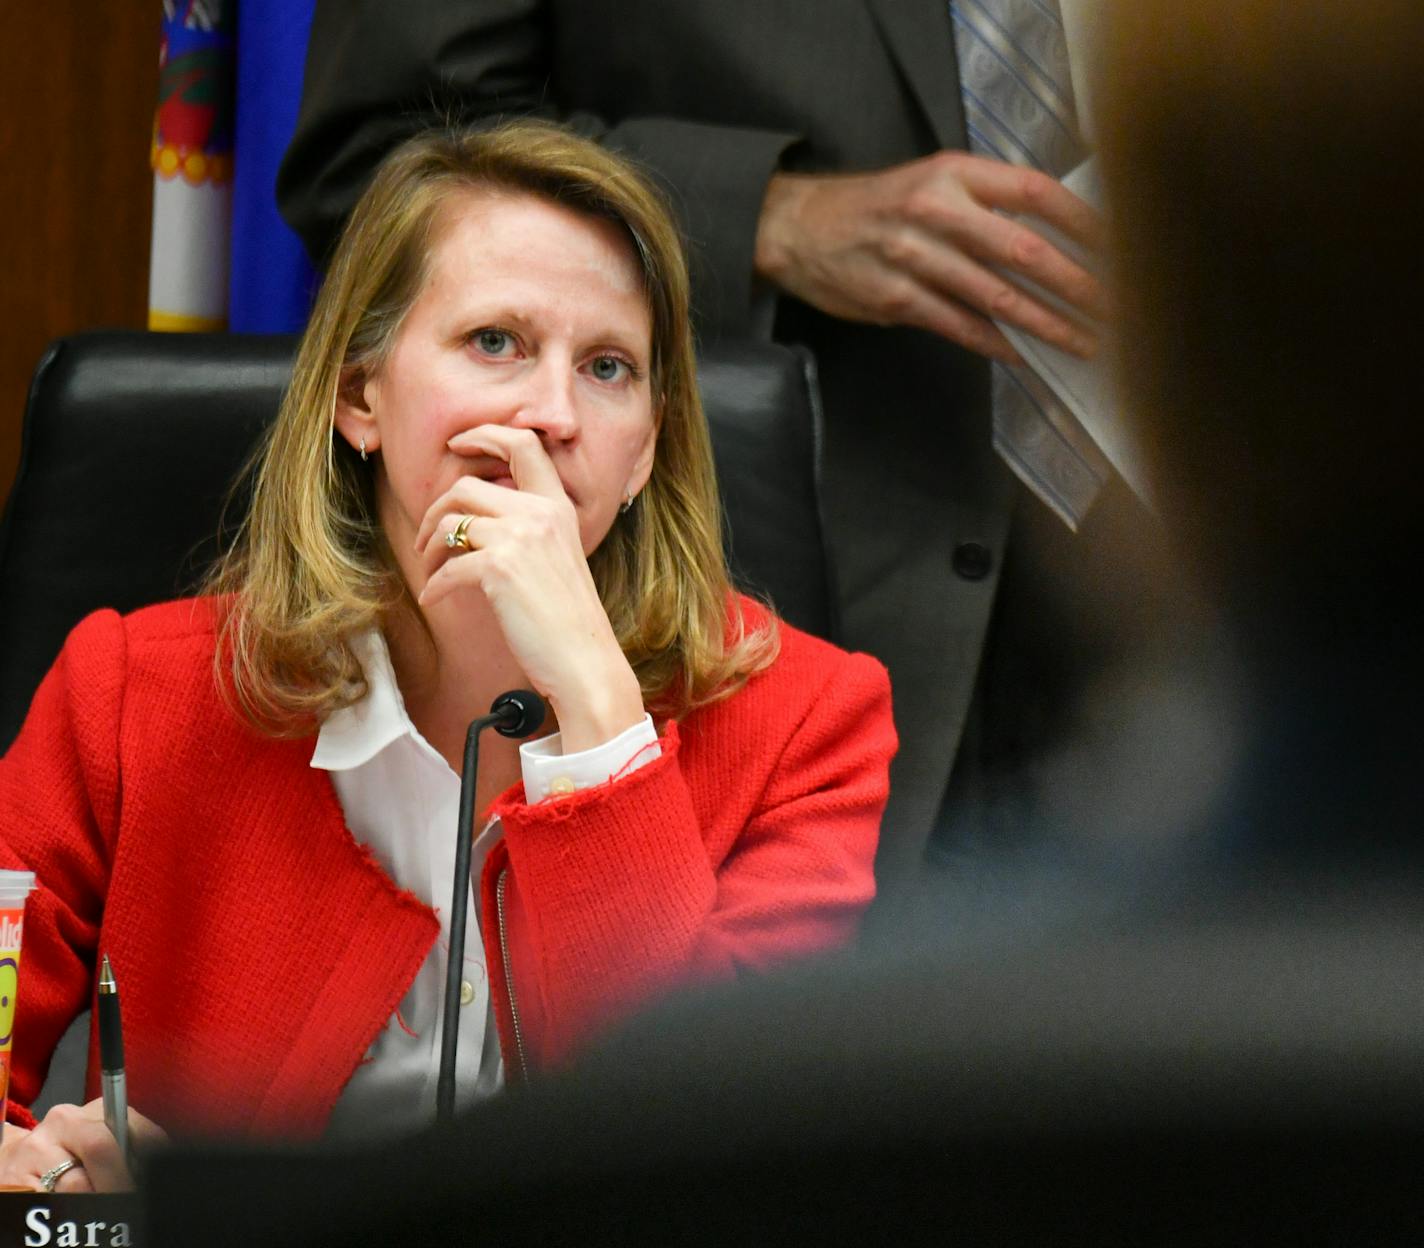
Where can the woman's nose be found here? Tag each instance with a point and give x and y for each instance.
(548, 405)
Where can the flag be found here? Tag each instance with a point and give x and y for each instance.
(192, 167)
(272, 281)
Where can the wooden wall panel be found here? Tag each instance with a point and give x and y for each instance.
(78, 86)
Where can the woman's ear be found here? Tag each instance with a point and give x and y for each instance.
(642, 466)
(354, 419)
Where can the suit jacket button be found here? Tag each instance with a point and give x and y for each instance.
(972, 560)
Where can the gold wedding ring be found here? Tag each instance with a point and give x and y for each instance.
(456, 539)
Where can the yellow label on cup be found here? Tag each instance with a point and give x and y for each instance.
(9, 982)
(11, 928)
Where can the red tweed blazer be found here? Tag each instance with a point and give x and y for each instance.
(261, 949)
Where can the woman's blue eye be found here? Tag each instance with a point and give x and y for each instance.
(492, 341)
(608, 368)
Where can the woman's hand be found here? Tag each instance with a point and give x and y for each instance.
(74, 1133)
(527, 558)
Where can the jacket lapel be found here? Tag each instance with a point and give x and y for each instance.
(364, 938)
(920, 36)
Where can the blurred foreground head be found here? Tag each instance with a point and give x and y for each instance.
(1269, 214)
(1268, 221)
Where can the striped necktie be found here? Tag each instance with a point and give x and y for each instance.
(1018, 107)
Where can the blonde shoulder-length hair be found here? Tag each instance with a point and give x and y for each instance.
(310, 570)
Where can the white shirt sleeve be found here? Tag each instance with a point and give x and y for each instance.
(549, 772)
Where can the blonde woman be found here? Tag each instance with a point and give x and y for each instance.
(491, 471)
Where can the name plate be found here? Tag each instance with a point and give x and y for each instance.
(34, 1220)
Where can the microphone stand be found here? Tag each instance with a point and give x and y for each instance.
(515, 714)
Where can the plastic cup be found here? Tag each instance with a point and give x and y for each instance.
(15, 887)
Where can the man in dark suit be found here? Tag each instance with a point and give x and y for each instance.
(816, 154)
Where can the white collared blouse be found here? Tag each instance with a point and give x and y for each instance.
(401, 800)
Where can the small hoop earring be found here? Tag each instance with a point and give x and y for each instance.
(626, 505)
(363, 450)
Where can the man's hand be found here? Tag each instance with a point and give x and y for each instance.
(918, 244)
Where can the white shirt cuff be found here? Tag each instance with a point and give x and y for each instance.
(548, 772)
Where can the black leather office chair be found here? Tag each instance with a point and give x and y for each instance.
(132, 441)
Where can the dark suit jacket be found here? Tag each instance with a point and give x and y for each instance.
(713, 97)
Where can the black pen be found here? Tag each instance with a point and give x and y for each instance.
(111, 1061)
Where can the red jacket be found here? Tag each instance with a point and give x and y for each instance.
(260, 949)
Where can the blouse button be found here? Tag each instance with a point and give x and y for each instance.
(467, 992)
(561, 786)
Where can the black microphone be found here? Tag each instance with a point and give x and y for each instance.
(517, 713)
